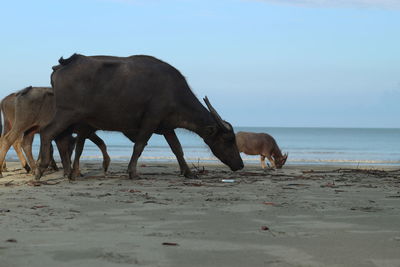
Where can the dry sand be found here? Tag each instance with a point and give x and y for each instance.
(289, 217)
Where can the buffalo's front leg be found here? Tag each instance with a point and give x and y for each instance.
(44, 156)
(269, 157)
(176, 148)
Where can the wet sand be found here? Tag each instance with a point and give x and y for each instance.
(297, 216)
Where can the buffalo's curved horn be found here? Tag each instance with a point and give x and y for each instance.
(216, 116)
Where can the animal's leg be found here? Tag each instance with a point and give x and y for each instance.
(269, 157)
(63, 145)
(262, 160)
(6, 129)
(17, 147)
(44, 155)
(147, 128)
(71, 143)
(53, 163)
(62, 120)
(103, 148)
(80, 143)
(27, 147)
(176, 148)
(6, 143)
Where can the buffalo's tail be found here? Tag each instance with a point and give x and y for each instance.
(1, 119)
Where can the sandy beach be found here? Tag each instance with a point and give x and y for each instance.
(297, 216)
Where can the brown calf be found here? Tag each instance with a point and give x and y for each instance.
(26, 113)
(261, 144)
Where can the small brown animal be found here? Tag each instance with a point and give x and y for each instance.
(26, 112)
(261, 144)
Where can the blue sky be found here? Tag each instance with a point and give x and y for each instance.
(313, 63)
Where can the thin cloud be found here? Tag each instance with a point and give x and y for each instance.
(380, 4)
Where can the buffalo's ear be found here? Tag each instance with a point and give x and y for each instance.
(285, 157)
(211, 130)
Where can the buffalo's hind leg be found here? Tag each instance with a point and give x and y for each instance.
(61, 121)
(27, 147)
(63, 142)
(137, 151)
(176, 148)
(53, 163)
(103, 148)
(18, 149)
(6, 143)
(148, 127)
(80, 143)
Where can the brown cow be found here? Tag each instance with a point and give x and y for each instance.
(28, 111)
(261, 144)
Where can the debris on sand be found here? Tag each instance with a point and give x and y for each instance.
(39, 207)
(269, 203)
(170, 244)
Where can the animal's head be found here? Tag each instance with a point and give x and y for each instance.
(221, 139)
(280, 161)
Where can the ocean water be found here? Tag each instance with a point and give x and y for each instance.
(349, 146)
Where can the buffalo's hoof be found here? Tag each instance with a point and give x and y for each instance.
(191, 175)
(133, 176)
(27, 168)
(106, 163)
(1, 175)
(38, 174)
(55, 168)
(75, 174)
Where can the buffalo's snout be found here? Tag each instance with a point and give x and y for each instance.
(237, 167)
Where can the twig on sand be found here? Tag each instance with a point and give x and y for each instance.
(197, 168)
(39, 183)
(170, 244)
(9, 183)
(354, 170)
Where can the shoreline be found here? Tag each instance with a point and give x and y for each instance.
(248, 162)
(254, 164)
(297, 216)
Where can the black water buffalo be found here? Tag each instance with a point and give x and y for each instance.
(138, 96)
